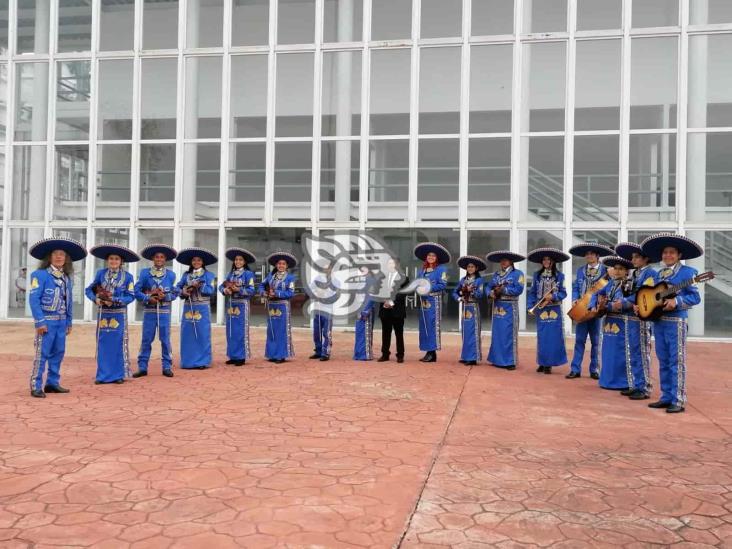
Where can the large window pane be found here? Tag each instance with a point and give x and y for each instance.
(596, 177)
(203, 97)
(709, 177)
(114, 173)
(115, 99)
(250, 23)
(388, 179)
(717, 299)
(2, 186)
(652, 177)
(542, 178)
(491, 82)
(71, 185)
(599, 14)
(29, 183)
(160, 24)
(710, 92)
(33, 18)
(293, 180)
(391, 19)
(341, 93)
(3, 100)
(249, 96)
(145, 237)
(119, 236)
(296, 22)
(544, 86)
(489, 178)
(492, 17)
(74, 25)
(343, 21)
(439, 90)
(157, 181)
(655, 13)
(545, 16)
(78, 287)
(158, 108)
(653, 83)
(597, 92)
(441, 18)
(205, 21)
(22, 266)
(390, 80)
(73, 93)
(530, 241)
(339, 180)
(437, 188)
(117, 23)
(31, 96)
(201, 179)
(702, 12)
(294, 104)
(247, 180)
(5, 18)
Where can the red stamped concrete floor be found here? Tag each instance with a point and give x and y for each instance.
(347, 454)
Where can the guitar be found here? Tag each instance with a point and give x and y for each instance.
(650, 299)
(580, 311)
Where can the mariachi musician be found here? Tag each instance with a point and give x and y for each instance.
(504, 288)
(544, 300)
(278, 287)
(469, 291)
(434, 257)
(238, 288)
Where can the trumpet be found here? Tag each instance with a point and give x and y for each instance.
(545, 300)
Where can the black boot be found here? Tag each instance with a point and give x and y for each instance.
(431, 357)
(659, 404)
(675, 409)
(400, 359)
(639, 395)
(139, 373)
(168, 373)
(547, 369)
(314, 356)
(230, 361)
(55, 389)
(595, 375)
(37, 393)
(383, 358)
(540, 369)
(573, 375)
(324, 358)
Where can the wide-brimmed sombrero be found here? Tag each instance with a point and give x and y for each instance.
(103, 251)
(537, 255)
(653, 246)
(421, 250)
(581, 249)
(627, 249)
(466, 260)
(499, 255)
(186, 256)
(615, 260)
(148, 252)
(73, 248)
(248, 256)
(273, 258)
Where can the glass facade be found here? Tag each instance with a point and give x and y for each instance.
(477, 123)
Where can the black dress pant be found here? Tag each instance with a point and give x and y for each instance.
(397, 324)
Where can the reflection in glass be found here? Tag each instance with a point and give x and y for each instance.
(491, 81)
(492, 17)
(2, 187)
(157, 181)
(205, 21)
(597, 94)
(114, 173)
(441, 18)
(390, 79)
(717, 300)
(250, 23)
(339, 180)
(292, 180)
(702, 12)
(489, 178)
(543, 93)
(116, 25)
(247, 175)
(201, 181)
(438, 178)
(710, 93)
(342, 20)
(203, 97)
(31, 96)
(74, 25)
(22, 266)
(248, 96)
(599, 14)
(115, 99)
(3, 99)
(545, 16)
(655, 13)
(4, 18)
(119, 236)
(158, 109)
(29, 183)
(160, 24)
(542, 175)
(388, 179)
(296, 22)
(653, 83)
(391, 19)
(439, 90)
(341, 110)
(652, 177)
(73, 94)
(709, 177)
(596, 177)
(71, 186)
(33, 18)
(294, 103)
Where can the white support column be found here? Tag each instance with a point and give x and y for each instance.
(624, 145)
(519, 156)
(92, 164)
(364, 177)
(317, 118)
(271, 94)
(414, 117)
(464, 143)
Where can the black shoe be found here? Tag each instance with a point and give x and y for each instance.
(627, 392)
(324, 358)
(238, 363)
(168, 373)
(139, 374)
(471, 362)
(119, 381)
(461, 361)
(674, 409)
(383, 358)
(230, 361)
(400, 359)
(426, 358)
(430, 357)
(280, 361)
(38, 393)
(315, 355)
(547, 370)
(638, 395)
(595, 375)
(659, 404)
(97, 382)
(573, 375)
(511, 368)
(201, 368)
(540, 369)
(55, 389)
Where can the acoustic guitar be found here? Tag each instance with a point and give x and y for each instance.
(580, 311)
(650, 299)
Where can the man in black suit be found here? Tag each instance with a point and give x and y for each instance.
(392, 314)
